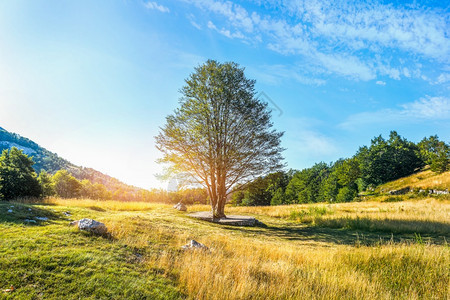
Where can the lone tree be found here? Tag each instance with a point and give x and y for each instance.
(221, 134)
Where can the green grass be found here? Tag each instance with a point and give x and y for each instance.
(392, 250)
(50, 260)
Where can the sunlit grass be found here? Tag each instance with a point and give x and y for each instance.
(422, 180)
(104, 205)
(304, 252)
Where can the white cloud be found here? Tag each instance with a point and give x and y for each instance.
(340, 38)
(193, 21)
(225, 32)
(274, 74)
(156, 6)
(424, 109)
(433, 108)
(443, 78)
(379, 82)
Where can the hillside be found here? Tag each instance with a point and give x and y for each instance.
(51, 162)
(419, 181)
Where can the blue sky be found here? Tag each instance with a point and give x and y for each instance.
(93, 80)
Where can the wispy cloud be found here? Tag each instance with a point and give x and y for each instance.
(431, 108)
(275, 74)
(156, 6)
(424, 109)
(379, 82)
(226, 32)
(339, 38)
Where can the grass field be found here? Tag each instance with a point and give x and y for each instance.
(366, 250)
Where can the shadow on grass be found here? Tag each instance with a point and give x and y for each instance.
(27, 214)
(341, 235)
(387, 225)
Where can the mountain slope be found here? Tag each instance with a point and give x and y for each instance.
(51, 162)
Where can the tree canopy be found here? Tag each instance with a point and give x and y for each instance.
(221, 133)
(17, 176)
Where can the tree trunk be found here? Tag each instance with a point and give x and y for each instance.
(218, 210)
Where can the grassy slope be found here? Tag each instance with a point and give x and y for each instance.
(50, 260)
(421, 180)
(353, 251)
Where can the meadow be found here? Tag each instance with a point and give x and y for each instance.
(377, 249)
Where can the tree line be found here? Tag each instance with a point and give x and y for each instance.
(18, 179)
(341, 181)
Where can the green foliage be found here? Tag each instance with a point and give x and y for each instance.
(305, 185)
(384, 160)
(46, 183)
(347, 194)
(221, 134)
(436, 153)
(17, 175)
(267, 190)
(387, 160)
(66, 186)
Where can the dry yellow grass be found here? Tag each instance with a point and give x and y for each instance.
(280, 261)
(422, 180)
(103, 205)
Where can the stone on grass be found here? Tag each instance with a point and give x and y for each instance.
(194, 245)
(41, 218)
(90, 226)
(180, 206)
(30, 221)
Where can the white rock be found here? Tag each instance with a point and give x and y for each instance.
(92, 226)
(194, 245)
(41, 218)
(180, 206)
(10, 210)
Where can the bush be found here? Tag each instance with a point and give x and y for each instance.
(346, 194)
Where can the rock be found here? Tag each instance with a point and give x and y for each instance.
(400, 191)
(92, 226)
(180, 206)
(30, 221)
(10, 210)
(67, 213)
(439, 192)
(194, 245)
(41, 218)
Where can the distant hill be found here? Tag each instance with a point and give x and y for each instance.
(51, 162)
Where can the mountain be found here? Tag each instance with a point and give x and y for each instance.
(51, 162)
